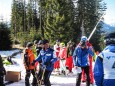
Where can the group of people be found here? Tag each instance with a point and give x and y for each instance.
(40, 60)
(45, 58)
(64, 54)
(63, 58)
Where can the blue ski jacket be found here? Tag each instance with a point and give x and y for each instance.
(80, 56)
(48, 58)
(104, 68)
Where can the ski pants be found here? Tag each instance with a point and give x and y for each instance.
(47, 78)
(90, 72)
(27, 77)
(40, 72)
(78, 79)
(62, 65)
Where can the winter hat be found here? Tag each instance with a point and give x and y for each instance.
(62, 44)
(58, 40)
(35, 41)
(40, 42)
(45, 41)
(29, 44)
(84, 38)
(110, 38)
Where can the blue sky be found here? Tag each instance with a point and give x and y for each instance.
(110, 13)
(5, 10)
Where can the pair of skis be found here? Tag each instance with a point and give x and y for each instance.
(39, 82)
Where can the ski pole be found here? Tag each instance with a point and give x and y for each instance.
(40, 81)
(95, 28)
(36, 76)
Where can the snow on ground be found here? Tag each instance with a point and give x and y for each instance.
(69, 80)
(55, 81)
(8, 53)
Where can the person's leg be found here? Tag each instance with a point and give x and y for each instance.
(40, 72)
(83, 76)
(64, 67)
(2, 80)
(34, 83)
(78, 79)
(27, 78)
(91, 71)
(86, 70)
(70, 63)
(61, 66)
(46, 78)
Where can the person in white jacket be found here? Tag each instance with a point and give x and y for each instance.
(104, 69)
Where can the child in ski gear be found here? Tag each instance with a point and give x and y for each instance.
(104, 68)
(28, 59)
(48, 59)
(69, 59)
(80, 59)
(56, 51)
(2, 72)
(62, 56)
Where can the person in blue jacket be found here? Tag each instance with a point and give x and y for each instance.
(104, 68)
(48, 59)
(80, 59)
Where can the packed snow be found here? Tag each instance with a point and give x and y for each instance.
(56, 80)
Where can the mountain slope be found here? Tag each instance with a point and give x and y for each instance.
(108, 28)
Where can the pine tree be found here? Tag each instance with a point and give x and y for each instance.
(5, 38)
(17, 19)
(58, 19)
(89, 12)
(24, 20)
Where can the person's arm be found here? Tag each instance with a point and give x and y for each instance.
(38, 58)
(54, 59)
(74, 57)
(98, 71)
(55, 48)
(90, 51)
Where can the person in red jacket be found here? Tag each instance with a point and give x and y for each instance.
(69, 59)
(62, 56)
(56, 51)
(90, 68)
(28, 59)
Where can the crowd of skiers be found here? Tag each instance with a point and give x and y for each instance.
(61, 59)
(41, 60)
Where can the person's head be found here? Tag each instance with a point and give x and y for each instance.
(46, 43)
(40, 43)
(83, 41)
(58, 42)
(29, 45)
(35, 42)
(109, 38)
(62, 45)
(69, 44)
